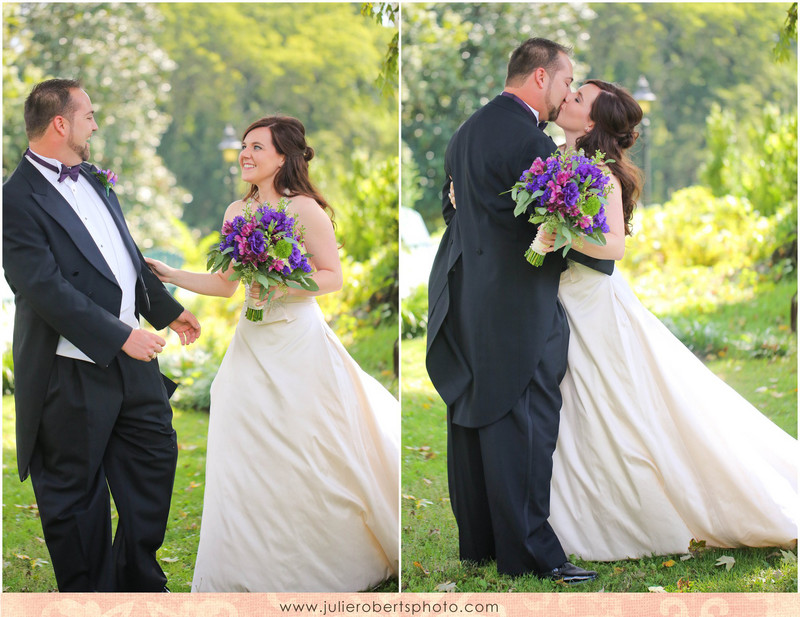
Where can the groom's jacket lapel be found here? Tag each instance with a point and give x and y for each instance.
(52, 202)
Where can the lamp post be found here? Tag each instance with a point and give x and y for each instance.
(230, 146)
(644, 96)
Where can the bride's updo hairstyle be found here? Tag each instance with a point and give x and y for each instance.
(615, 114)
(289, 139)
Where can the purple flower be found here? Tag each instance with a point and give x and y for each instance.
(295, 258)
(571, 193)
(257, 242)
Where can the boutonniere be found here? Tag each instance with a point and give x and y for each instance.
(107, 178)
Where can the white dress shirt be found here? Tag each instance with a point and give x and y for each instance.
(94, 214)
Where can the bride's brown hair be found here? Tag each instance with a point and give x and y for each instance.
(289, 139)
(615, 114)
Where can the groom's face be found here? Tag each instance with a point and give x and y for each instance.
(558, 87)
(81, 124)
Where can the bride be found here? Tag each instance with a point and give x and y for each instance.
(653, 449)
(301, 490)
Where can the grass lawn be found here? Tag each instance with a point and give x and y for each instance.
(429, 533)
(26, 562)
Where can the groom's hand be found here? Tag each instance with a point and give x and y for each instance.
(143, 345)
(187, 328)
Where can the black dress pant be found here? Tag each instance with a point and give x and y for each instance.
(499, 475)
(105, 429)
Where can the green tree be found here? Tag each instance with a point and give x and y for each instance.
(788, 35)
(236, 63)
(694, 55)
(110, 48)
(754, 158)
(387, 13)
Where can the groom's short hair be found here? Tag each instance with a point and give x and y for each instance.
(47, 100)
(533, 54)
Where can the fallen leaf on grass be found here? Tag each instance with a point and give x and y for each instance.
(420, 502)
(426, 481)
(193, 485)
(727, 561)
(696, 547)
(658, 589)
(789, 556)
(168, 559)
(684, 584)
(686, 557)
(448, 587)
(38, 563)
(668, 564)
(618, 570)
(424, 450)
(19, 556)
(421, 567)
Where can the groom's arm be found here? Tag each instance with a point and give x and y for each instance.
(33, 272)
(163, 308)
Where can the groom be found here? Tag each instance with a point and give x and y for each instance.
(497, 335)
(92, 408)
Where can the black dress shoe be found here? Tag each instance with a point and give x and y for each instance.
(570, 574)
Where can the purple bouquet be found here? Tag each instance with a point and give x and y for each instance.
(266, 247)
(568, 192)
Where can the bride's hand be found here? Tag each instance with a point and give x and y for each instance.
(546, 239)
(160, 269)
(452, 194)
(255, 293)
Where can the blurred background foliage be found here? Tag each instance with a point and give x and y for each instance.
(697, 58)
(166, 79)
(714, 251)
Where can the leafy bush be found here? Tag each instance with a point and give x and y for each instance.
(753, 157)
(696, 229)
(8, 371)
(414, 313)
(713, 270)
(193, 370)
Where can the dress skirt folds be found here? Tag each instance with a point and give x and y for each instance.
(653, 449)
(301, 490)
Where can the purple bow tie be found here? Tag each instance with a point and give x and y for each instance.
(65, 172)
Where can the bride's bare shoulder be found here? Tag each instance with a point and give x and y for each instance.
(234, 209)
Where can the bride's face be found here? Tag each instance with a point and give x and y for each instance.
(259, 159)
(574, 114)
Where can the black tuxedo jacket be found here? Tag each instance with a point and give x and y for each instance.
(489, 309)
(63, 286)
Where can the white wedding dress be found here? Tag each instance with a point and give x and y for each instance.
(302, 470)
(653, 449)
